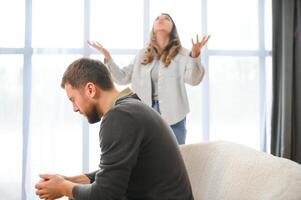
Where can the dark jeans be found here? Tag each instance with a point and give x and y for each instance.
(178, 128)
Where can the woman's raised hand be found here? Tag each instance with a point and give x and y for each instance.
(96, 45)
(198, 45)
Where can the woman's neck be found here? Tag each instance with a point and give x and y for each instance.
(162, 40)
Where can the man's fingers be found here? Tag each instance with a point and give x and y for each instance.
(45, 176)
(45, 196)
(40, 192)
(40, 184)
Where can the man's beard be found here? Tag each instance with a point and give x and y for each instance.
(93, 116)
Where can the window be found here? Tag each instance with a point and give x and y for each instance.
(12, 31)
(57, 24)
(234, 99)
(117, 26)
(233, 29)
(39, 38)
(11, 125)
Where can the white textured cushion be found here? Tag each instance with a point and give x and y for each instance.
(228, 171)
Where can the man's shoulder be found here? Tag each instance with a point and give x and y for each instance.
(125, 105)
(128, 98)
(131, 101)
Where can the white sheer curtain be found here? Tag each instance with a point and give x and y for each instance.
(55, 139)
(11, 126)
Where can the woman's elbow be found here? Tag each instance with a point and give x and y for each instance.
(195, 80)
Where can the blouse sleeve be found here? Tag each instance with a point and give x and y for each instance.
(122, 75)
(194, 70)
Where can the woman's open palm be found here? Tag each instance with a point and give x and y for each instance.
(198, 45)
(96, 45)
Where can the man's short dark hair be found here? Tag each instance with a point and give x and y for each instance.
(86, 70)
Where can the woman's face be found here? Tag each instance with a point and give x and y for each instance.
(163, 23)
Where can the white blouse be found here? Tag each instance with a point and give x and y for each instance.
(172, 93)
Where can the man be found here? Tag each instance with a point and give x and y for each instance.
(140, 158)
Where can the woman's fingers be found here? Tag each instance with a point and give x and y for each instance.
(99, 44)
(94, 44)
(89, 42)
(199, 44)
(192, 42)
(100, 48)
(205, 40)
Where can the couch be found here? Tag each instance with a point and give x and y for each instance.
(227, 171)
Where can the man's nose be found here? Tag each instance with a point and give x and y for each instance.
(75, 108)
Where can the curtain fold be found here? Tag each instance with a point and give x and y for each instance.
(286, 108)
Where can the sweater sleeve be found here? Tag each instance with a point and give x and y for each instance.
(91, 176)
(120, 142)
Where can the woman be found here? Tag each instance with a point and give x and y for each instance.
(159, 72)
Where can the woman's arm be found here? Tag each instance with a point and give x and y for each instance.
(122, 75)
(194, 70)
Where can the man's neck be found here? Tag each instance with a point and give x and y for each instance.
(106, 99)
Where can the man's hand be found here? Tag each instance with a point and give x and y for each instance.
(53, 187)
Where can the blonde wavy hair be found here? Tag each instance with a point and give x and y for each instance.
(169, 52)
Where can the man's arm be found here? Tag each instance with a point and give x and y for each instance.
(120, 144)
(82, 179)
(56, 186)
(120, 141)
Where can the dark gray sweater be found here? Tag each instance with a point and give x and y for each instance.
(140, 158)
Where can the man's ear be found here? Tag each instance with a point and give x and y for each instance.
(90, 89)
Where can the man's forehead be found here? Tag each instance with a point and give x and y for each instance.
(67, 86)
(69, 89)
(72, 90)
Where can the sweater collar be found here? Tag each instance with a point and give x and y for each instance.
(126, 92)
